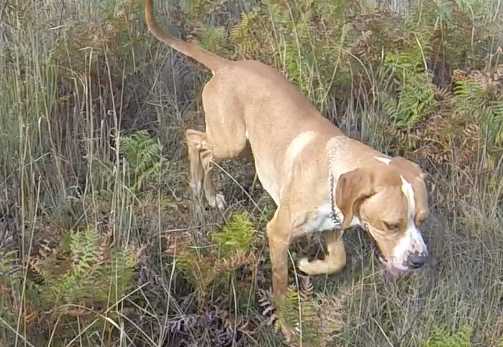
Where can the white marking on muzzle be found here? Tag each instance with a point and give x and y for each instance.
(412, 241)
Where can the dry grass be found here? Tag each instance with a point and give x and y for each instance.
(77, 77)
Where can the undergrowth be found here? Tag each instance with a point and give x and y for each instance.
(442, 338)
(101, 241)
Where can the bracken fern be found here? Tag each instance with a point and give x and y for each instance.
(315, 319)
(236, 236)
(85, 270)
(441, 337)
(142, 155)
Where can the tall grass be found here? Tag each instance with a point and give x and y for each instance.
(93, 172)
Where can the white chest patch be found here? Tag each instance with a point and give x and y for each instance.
(321, 220)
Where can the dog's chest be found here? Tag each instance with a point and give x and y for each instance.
(321, 219)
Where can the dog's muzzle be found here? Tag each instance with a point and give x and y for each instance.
(410, 254)
(417, 260)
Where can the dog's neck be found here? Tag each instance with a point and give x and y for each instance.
(334, 148)
(336, 214)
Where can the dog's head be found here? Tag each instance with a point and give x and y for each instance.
(390, 202)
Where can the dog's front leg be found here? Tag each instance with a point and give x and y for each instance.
(279, 240)
(278, 235)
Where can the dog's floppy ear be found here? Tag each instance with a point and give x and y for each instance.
(415, 176)
(352, 188)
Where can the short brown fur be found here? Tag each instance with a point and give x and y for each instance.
(295, 150)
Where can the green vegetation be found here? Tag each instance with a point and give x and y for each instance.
(441, 338)
(102, 242)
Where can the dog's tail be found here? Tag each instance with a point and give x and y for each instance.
(208, 59)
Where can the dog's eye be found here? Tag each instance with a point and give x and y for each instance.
(392, 226)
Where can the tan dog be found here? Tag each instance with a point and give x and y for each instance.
(315, 174)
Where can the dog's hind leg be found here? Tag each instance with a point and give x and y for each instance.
(196, 142)
(201, 163)
(224, 138)
(333, 262)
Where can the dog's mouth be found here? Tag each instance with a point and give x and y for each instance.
(393, 269)
(377, 251)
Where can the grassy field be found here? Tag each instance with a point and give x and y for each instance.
(102, 242)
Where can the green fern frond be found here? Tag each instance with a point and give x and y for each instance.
(307, 315)
(496, 122)
(9, 280)
(288, 308)
(237, 235)
(197, 9)
(198, 269)
(102, 173)
(474, 99)
(416, 101)
(213, 39)
(469, 93)
(246, 34)
(441, 337)
(7, 263)
(86, 271)
(212, 266)
(405, 61)
(142, 154)
(235, 261)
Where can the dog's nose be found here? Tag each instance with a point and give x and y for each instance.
(415, 261)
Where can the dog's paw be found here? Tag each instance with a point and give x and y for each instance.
(288, 333)
(217, 201)
(305, 266)
(196, 188)
(220, 201)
